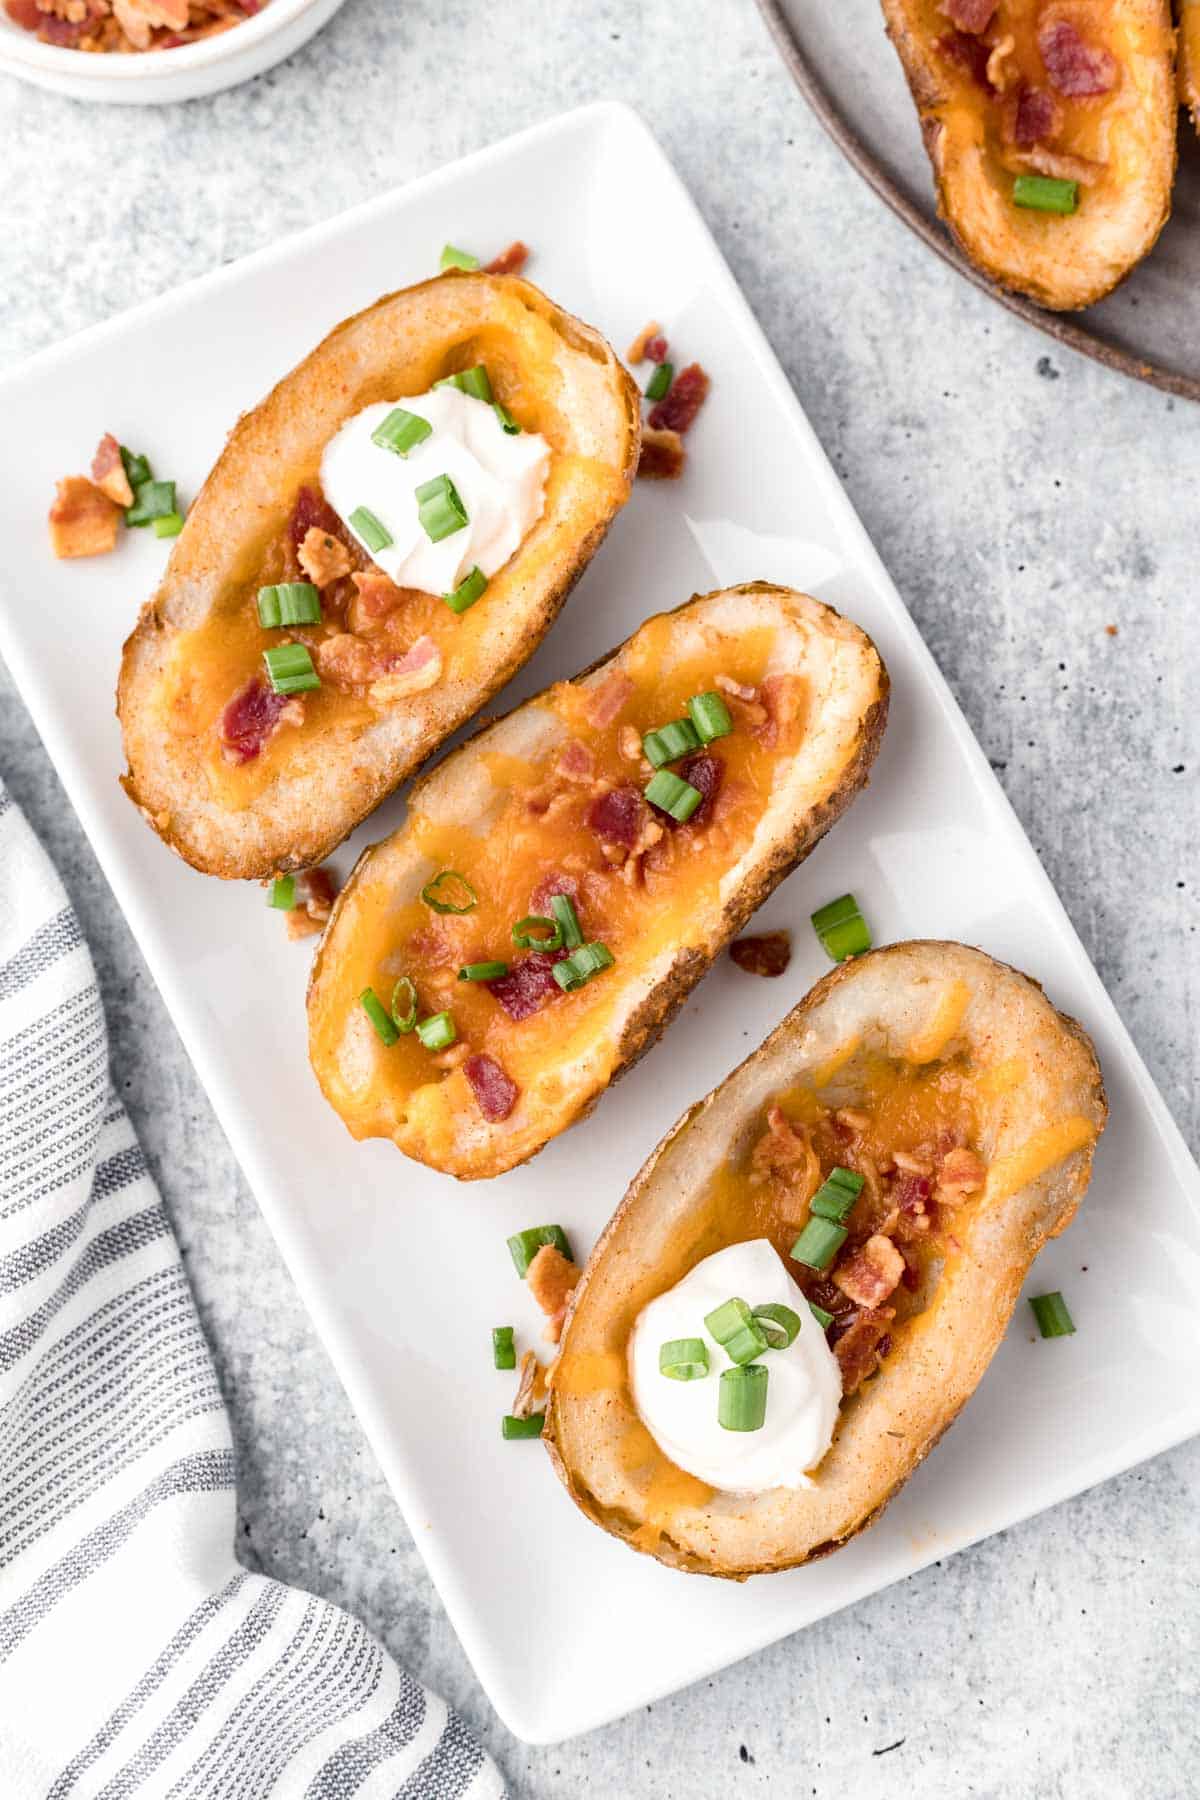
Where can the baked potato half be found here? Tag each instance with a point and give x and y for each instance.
(1050, 125)
(243, 782)
(1189, 58)
(555, 813)
(971, 1109)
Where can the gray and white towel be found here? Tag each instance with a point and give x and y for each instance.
(136, 1657)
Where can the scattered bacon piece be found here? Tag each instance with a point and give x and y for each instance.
(705, 772)
(531, 1386)
(656, 349)
(617, 816)
(418, 669)
(551, 1278)
(861, 1345)
(108, 471)
(662, 457)
(316, 891)
(785, 1153)
(649, 833)
(323, 557)
(629, 743)
(782, 696)
(870, 1275)
(528, 984)
(547, 887)
(962, 1173)
(1060, 164)
(83, 521)
(677, 410)
(576, 761)
(739, 690)
(312, 509)
(376, 595)
(1074, 66)
(494, 1092)
(253, 716)
(912, 1165)
(852, 1117)
(966, 52)
(25, 13)
(510, 261)
(639, 350)
(605, 702)
(970, 15)
(769, 954)
(911, 1192)
(1031, 117)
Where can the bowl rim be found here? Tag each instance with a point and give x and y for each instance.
(20, 46)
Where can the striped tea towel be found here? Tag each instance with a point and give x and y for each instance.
(136, 1658)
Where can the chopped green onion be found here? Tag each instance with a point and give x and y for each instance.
(374, 1008)
(725, 1320)
(485, 971)
(290, 669)
(711, 717)
(841, 928)
(470, 381)
(527, 938)
(1053, 1319)
(373, 532)
(137, 468)
(660, 382)
(438, 1032)
(404, 1006)
(742, 1398)
(440, 509)
(401, 431)
(169, 525)
(819, 1243)
(577, 969)
(467, 592)
(747, 1343)
(531, 1427)
(679, 798)
(824, 1319)
(835, 1198)
(670, 742)
(523, 1246)
(504, 1354)
(683, 1359)
(443, 896)
(506, 419)
(289, 603)
(151, 500)
(1046, 193)
(568, 920)
(282, 892)
(458, 259)
(778, 1324)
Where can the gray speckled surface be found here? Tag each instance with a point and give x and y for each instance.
(1023, 501)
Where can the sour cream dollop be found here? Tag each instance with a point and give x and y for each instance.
(500, 479)
(804, 1390)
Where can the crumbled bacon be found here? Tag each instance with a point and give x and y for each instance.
(108, 471)
(323, 557)
(649, 833)
(870, 1275)
(375, 596)
(547, 887)
(677, 409)
(662, 456)
(639, 350)
(316, 891)
(253, 716)
(768, 954)
(606, 702)
(616, 816)
(912, 1165)
(852, 1118)
(629, 743)
(1075, 67)
(962, 1173)
(576, 761)
(1060, 164)
(738, 690)
(967, 53)
(785, 1153)
(510, 261)
(861, 1346)
(531, 1386)
(528, 984)
(312, 509)
(782, 696)
(83, 521)
(495, 1094)
(970, 15)
(1032, 117)
(551, 1278)
(703, 771)
(419, 668)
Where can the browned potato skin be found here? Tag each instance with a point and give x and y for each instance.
(1063, 263)
(246, 501)
(888, 1428)
(1189, 58)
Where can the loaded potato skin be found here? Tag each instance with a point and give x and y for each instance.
(1050, 125)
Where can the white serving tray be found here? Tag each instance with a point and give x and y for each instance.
(566, 1627)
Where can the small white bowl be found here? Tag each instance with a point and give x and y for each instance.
(153, 77)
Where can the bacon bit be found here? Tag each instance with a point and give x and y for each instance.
(966, 52)
(576, 761)
(323, 557)
(547, 887)
(418, 669)
(1074, 66)
(253, 717)
(510, 261)
(1002, 69)
(133, 22)
(108, 471)
(316, 891)
(962, 1173)
(868, 1276)
(704, 772)
(769, 954)
(911, 1192)
(605, 702)
(785, 1153)
(616, 817)
(531, 1386)
(639, 350)
(551, 1278)
(912, 1165)
(852, 1118)
(782, 696)
(1112, 630)
(1032, 117)
(25, 13)
(1061, 165)
(677, 409)
(495, 1093)
(311, 509)
(738, 690)
(861, 1346)
(662, 455)
(650, 833)
(376, 595)
(83, 521)
(629, 743)
(528, 984)
(970, 15)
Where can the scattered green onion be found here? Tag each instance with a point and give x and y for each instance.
(824, 1319)
(467, 592)
(659, 383)
(458, 259)
(526, 937)
(711, 717)
(374, 1008)
(437, 1032)
(401, 431)
(841, 928)
(169, 525)
(440, 509)
(742, 1398)
(1046, 193)
(747, 1344)
(778, 1324)
(404, 1006)
(137, 468)
(290, 669)
(564, 912)
(151, 500)
(683, 1359)
(484, 971)
(819, 1243)
(504, 1352)
(523, 1246)
(282, 892)
(835, 1198)
(576, 970)
(470, 381)
(670, 742)
(531, 1427)
(1053, 1319)
(443, 896)
(726, 1320)
(289, 603)
(674, 796)
(506, 419)
(373, 532)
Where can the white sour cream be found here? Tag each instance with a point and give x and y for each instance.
(501, 480)
(803, 1393)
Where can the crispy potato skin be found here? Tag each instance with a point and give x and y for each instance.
(1063, 263)
(888, 1428)
(481, 1150)
(1189, 58)
(396, 345)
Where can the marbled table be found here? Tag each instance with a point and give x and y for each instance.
(1024, 502)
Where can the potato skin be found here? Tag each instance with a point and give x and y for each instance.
(1063, 263)
(889, 1427)
(399, 343)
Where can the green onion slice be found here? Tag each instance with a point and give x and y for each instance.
(563, 909)
(450, 892)
(1046, 193)
(726, 1319)
(467, 592)
(440, 509)
(282, 892)
(373, 532)
(531, 1427)
(824, 1319)
(670, 742)
(679, 798)
(137, 468)
(458, 259)
(169, 525)
(819, 1243)
(1053, 1319)
(659, 383)
(747, 1343)
(290, 669)
(841, 928)
(470, 381)
(711, 717)
(528, 933)
(404, 1006)
(289, 603)
(437, 1032)
(484, 971)
(506, 419)
(375, 1010)
(778, 1324)
(151, 500)
(683, 1359)
(835, 1198)
(576, 970)
(523, 1246)
(401, 431)
(742, 1398)
(504, 1353)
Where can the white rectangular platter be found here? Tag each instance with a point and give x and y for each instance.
(566, 1627)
